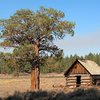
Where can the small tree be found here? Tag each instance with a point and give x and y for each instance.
(39, 29)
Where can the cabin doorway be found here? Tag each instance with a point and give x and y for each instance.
(78, 81)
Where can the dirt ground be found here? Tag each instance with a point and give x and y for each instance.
(48, 82)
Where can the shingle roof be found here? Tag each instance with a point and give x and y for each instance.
(91, 66)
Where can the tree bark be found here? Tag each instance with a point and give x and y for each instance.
(37, 78)
(35, 73)
(33, 79)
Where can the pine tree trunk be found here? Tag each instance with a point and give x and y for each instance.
(33, 79)
(37, 78)
(35, 73)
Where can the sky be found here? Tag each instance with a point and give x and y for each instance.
(84, 13)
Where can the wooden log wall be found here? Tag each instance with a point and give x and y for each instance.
(71, 80)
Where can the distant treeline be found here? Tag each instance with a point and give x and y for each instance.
(64, 63)
(51, 64)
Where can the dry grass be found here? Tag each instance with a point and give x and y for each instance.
(48, 82)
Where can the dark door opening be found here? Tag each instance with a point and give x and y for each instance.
(78, 81)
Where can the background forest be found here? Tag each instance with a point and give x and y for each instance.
(9, 65)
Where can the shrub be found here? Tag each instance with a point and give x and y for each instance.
(79, 94)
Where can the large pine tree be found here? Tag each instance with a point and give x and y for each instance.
(36, 30)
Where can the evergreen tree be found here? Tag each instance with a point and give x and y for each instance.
(38, 29)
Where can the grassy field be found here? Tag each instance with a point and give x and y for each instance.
(52, 86)
(49, 82)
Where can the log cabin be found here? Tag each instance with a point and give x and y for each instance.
(83, 73)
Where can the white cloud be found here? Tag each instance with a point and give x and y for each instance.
(81, 44)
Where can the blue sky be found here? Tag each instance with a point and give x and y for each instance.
(85, 13)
